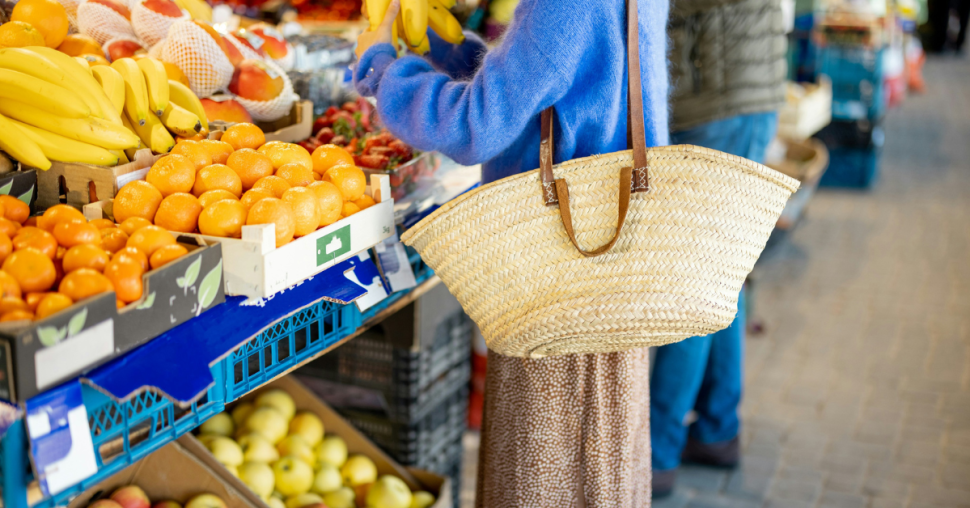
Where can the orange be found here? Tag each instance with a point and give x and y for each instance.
(172, 173)
(132, 224)
(9, 227)
(306, 217)
(14, 209)
(94, 59)
(113, 239)
(9, 285)
(17, 315)
(32, 270)
(329, 202)
(179, 212)
(194, 151)
(104, 224)
(252, 196)
(209, 197)
(365, 202)
(84, 283)
(33, 299)
(274, 211)
(149, 239)
(132, 254)
(327, 156)
(52, 303)
(31, 221)
(79, 44)
(349, 209)
(296, 174)
(36, 238)
(223, 218)
(12, 303)
(17, 34)
(84, 256)
(59, 213)
(166, 255)
(286, 153)
(70, 233)
(126, 277)
(202, 134)
(244, 135)
(48, 16)
(349, 179)
(218, 150)
(272, 185)
(250, 165)
(217, 176)
(139, 198)
(175, 73)
(6, 247)
(317, 176)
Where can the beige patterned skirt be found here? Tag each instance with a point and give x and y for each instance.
(566, 431)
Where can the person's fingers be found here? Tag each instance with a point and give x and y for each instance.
(388, 22)
(363, 10)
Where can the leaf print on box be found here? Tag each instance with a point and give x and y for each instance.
(76, 324)
(209, 287)
(6, 187)
(27, 196)
(191, 273)
(147, 304)
(50, 335)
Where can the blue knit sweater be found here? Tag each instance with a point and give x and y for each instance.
(479, 107)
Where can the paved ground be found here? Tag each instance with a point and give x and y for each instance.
(858, 391)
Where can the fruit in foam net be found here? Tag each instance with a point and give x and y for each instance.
(332, 450)
(389, 492)
(293, 476)
(255, 81)
(258, 476)
(163, 7)
(118, 7)
(220, 425)
(358, 470)
(206, 501)
(227, 111)
(267, 422)
(123, 49)
(273, 42)
(131, 496)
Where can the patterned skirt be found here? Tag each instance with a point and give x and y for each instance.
(566, 431)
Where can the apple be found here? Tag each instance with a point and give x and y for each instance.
(241, 411)
(293, 476)
(220, 425)
(297, 447)
(340, 498)
(118, 7)
(274, 44)
(326, 480)
(164, 7)
(166, 504)
(389, 492)
(278, 399)
(235, 57)
(226, 451)
(275, 502)
(259, 477)
(131, 497)
(267, 422)
(255, 81)
(227, 111)
(206, 501)
(332, 450)
(358, 470)
(422, 499)
(214, 34)
(301, 500)
(249, 40)
(308, 426)
(123, 49)
(104, 503)
(257, 448)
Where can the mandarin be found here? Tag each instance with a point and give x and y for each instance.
(195, 151)
(9, 227)
(70, 233)
(52, 303)
(85, 256)
(349, 179)
(274, 211)
(113, 239)
(32, 270)
(84, 283)
(9, 285)
(14, 209)
(179, 212)
(209, 197)
(6, 246)
(349, 209)
(250, 165)
(17, 34)
(138, 198)
(132, 224)
(173, 173)
(244, 135)
(330, 202)
(103, 223)
(223, 218)
(48, 16)
(287, 153)
(36, 238)
(33, 299)
(149, 239)
(166, 255)
(59, 213)
(79, 44)
(306, 216)
(12, 303)
(327, 156)
(365, 202)
(296, 174)
(251, 197)
(132, 254)
(272, 185)
(216, 177)
(218, 150)
(125, 275)
(17, 315)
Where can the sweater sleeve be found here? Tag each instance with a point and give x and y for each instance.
(460, 61)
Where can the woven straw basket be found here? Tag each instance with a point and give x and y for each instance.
(675, 271)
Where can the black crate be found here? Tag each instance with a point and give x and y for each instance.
(851, 134)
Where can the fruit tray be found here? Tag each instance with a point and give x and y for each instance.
(79, 184)
(404, 178)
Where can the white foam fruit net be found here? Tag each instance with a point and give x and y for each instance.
(156, 50)
(71, 7)
(194, 51)
(267, 111)
(151, 26)
(102, 23)
(107, 45)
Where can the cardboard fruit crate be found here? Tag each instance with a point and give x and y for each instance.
(807, 110)
(79, 184)
(805, 161)
(294, 127)
(21, 184)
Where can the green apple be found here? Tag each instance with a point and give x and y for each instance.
(293, 476)
(278, 399)
(332, 450)
(275, 502)
(326, 480)
(340, 498)
(301, 500)
(308, 426)
(219, 425)
(358, 470)
(206, 501)
(268, 422)
(295, 445)
(257, 448)
(389, 492)
(422, 499)
(259, 477)
(241, 412)
(225, 450)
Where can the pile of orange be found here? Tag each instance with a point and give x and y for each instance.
(35, 23)
(217, 187)
(51, 261)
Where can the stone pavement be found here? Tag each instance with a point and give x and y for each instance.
(858, 391)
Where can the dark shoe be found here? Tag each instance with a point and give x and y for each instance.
(663, 483)
(724, 454)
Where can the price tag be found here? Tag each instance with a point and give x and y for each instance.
(60, 439)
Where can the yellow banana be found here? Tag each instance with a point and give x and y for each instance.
(60, 148)
(130, 152)
(196, 8)
(422, 48)
(154, 134)
(38, 66)
(448, 4)
(20, 147)
(136, 91)
(96, 131)
(443, 23)
(375, 12)
(113, 85)
(120, 154)
(186, 98)
(81, 79)
(84, 64)
(181, 121)
(415, 15)
(156, 79)
(46, 96)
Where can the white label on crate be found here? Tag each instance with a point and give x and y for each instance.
(52, 364)
(394, 264)
(79, 462)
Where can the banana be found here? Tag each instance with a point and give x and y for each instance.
(157, 81)
(443, 23)
(375, 12)
(38, 66)
(60, 148)
(25, 150)
(84, 63)
(81, 79)
(181, 95)
(113, 85)
(154, 134)
(448, 4)
(130, 152)
(197, 9)
(96, 131)
(136, 91)
(181, 121)
(120, 154)
(422, 48)
(415, 15)
(46, 96)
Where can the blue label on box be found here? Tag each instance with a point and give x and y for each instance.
(60, 439)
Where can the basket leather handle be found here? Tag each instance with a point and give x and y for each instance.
(636, 179)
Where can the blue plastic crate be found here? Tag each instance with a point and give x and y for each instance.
(422, 272)
(858, 88)
(854, 168)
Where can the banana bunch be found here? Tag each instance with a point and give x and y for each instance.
(198, 9)
(53, 109)
(416, 16)
(149, 104)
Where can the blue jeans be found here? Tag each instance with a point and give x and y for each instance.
(705, 373)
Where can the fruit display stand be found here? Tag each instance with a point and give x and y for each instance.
(293, 127)
(80, 184)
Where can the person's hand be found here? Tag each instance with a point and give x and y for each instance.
(382, 35)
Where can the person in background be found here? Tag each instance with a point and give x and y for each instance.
(569, 430)
(728, 68)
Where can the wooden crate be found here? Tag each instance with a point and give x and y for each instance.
(81, 184)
